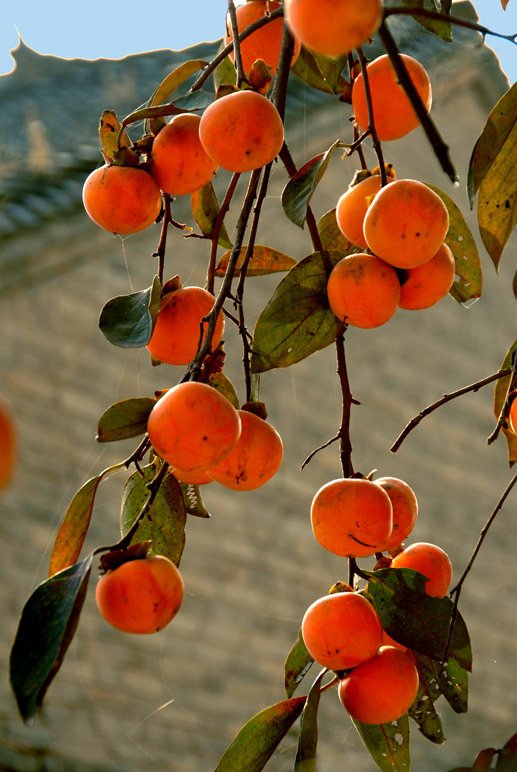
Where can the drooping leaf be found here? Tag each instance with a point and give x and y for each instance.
(164, 523)
(47, 625)
(500, 392)
(331, 237)
(205, 209)
(454, 685)
(224, 386)
(308, 737)
(441, 28)
(296, 665)
(416, 619)
(507, 761)
(469, 284)
(297, 320)
(175, 78)
(264, 260)
(422, 710)
(260, 736)
(109, 128)
(72, 531)
(124, 419)
(128, 320)
(298, 192)
(387, 744)
(321, 72)
(193, 502)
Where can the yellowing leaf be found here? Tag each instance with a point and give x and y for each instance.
(205, 209)
(330, 235)
(500, 392)
(264, 260)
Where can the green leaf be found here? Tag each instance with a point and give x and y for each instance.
(296, 665)
(164, 524)
(73, 529)
(507, 761)
(331, 237)
(225, 387)
(205, 209)
(387, 744)
(422, 710)
(124, 419)
(469, 284)
(259, 737)
(47, 625)
(500, 391)
(416, 619)
(225, 73)
(174, 79)
(128, 320)
(193, 502)
(308, 738)
(298, 192)
(264, 261)
(454, 685)
(321, 72)
(441, 28)
(297, 320)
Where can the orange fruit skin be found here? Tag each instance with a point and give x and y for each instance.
(352, 206)
(177, 329)
(333, 27)
(430, 282)
(140, 596)
(429, 560)
(406, 223)
(363, 291)
(122, 199)
(8, 446)
(193, 427)
(242, 131)
(381, 690)
(341, 630)
(405, 509)
(266, 42)
(512, 416)
(254, 460)
(393, 113)
(191, 478)
(352, 517)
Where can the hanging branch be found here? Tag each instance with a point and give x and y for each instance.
(217, 229)
(371, 122)
(504, 408)
(441, 16)
(236, 43)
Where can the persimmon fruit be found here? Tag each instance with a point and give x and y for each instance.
(140, 596)
(242, 131)
(177, 331)
(333, 27)
(352, 517)
(382, 689)
(393, 113)
(180, 164)
(8, 445)
(254, 460)
(341, 630)
(352, 206)
(405, 509)
(122, 199)
(363, 290)
(429, 560)
(512, 416)
(193, 427)
(426, 284)
(406, 223)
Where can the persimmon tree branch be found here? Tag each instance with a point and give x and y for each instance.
(499, 423)
(371, 122)
(236, 44)
(440, 16)
(217, 230)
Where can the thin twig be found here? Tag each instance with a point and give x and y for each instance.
(236, 44)
(428, 14)
(371, 120)
(217, 230)
(499, 423)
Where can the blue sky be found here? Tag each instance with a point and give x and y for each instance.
(69, 30)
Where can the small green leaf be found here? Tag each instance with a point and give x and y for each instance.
(225, 73)
(308, 738)
(296, 665)
(47, 625)
(225, 387)
(124, 419)
(264, 261)
(454, 685)
(193, 502)
(298, 192)
(321, 72)
(387, 744)
(128, 320)
(174, 79)
(205, 209)
(422, 711)
(164, 524)
(297, 320)
(331, 237)
(441, 28)
(500, 392)
(259, 737)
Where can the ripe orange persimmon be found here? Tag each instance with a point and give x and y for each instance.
(122, 199)
(8, 444)
(352, 206)
(193, 427)
(405, 509)
(242, 131)
(177, 331)
(382, 689)
(406, 223)
(393, 113)
(180, 164)
(363, 290)
(512, 416)
(352, 517)
(430, 282)
(266, 42)
(140, 596)
(254, 460)
(429, 560)
(341, 630)
(191, 478)
(333, 27)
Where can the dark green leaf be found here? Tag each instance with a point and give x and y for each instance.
(321, 72)
(128, 320)
(257, 740)
(205, 209)
(300, 188)
(47, 625)
(124, 419)
(193, 502)
(308, 738)
(454, 685)
(164, 524)
(500, 391)
(296, 665)
(415, 619)
(330, 235)
(264, 261)
(297, 321)
(441, 28)
(387, 744)
(422, 710)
